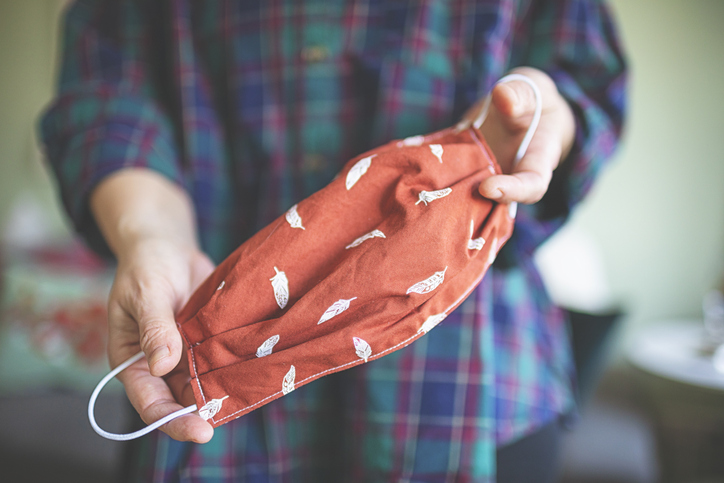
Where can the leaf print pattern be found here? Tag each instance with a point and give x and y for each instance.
(367, 236)
(428, 196)
(293, 218)
(477, 243)
(212, 407)
(429, 284)
(437, 151)
(335, 309)
(266, 348)
(363, 349)
(413, 141)
(281, 288)
(288, 382)
(431, 322)
(359, 168)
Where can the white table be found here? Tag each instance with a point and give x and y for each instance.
(675, 349)
(688, 412)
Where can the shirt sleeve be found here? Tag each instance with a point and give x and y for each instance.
(106, 116)
(576, 43)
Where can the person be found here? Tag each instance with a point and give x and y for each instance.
(181, 128)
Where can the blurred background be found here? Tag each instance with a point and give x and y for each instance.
(635, 266)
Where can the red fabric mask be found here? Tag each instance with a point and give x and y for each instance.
(356, 271)
(359, 269)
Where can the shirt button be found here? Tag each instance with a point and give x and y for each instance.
(315, 53)
(313, 162)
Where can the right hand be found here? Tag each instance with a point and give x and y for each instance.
(148, 222)
(153, 281)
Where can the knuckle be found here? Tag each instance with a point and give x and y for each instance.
(146, 295)
(153, 333)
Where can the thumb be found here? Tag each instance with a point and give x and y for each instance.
(159, 337)
(515, 101)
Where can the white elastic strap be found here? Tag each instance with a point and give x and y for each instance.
(140, 432)
(523, 148)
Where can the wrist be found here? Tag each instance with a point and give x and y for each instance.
(135, 206)
(568, 127)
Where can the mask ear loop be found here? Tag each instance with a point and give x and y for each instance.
(140, 432)
(523, 148)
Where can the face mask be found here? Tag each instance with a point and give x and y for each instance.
(361, 268)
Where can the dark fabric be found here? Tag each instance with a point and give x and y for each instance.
(590, 334)
(533, 459)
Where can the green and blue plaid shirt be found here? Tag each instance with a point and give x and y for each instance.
(252, 106)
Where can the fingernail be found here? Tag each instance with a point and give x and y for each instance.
(158, 354)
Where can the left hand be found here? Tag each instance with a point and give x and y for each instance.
(510, 114)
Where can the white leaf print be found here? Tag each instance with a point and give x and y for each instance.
(367, 236)
(477, 243)
(221, 285)
(429, 284)
(288, 382)
(428, 196)
(281, 288)
(413, 141)
(293, 218)
(212, 407)
(493, 251)
(335, 309)
(266, 348)
(431, 322)
(359, 168)
(363, 349)
(437, 151)
(513, 209)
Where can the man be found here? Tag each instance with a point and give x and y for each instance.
(181, 128)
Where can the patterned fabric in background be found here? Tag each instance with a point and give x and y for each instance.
(252, 106)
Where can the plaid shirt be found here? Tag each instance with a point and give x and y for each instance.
(254, 105)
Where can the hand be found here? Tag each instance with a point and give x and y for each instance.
(154, 280)
(510, 114)
(148, 222)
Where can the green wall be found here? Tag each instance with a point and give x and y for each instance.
(28, 32)
(658, 213)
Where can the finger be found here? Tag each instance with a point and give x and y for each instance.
(522, 187)
(152, 396)
(530, 178)
(515, 101)
(153, 400)
(179, 382)
(147, 306)
(159, 337)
